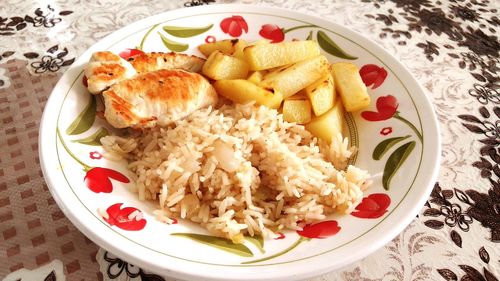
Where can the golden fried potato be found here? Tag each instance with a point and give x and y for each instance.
(265, 56)
(296, 77)
(256, 77)
(238, 49)
(350, 86)
(297, 110)
(220, 66)
(329, 124)
(227, 46)
(243, 91)
(321, 94)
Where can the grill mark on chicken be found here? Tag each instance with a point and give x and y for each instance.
(121, 106)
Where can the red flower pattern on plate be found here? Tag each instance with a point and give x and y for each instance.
(130, 53)
(95, 155)
(386, 130)
(372, 207)
(128, 218)
(320, 230)
(234, 26)
(272, 32)
(98, 180)
(210, 39)
(387, 106)
(280, 236)
(373, 75)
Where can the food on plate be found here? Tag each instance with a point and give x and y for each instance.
(239, 49)
(329, 124)
(297, 110)
(265, 56)
(350, 86)
(296, 77)
(321, 94)
(256, 77)
(269, 154)
(228, 46)
(240, 169)
(220, 66)
(156, 98)
(244, 91)
(105, 69)
(147, 62)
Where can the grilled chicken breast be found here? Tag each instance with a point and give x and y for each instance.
(155, 61)
(105, 69)
(156, 98)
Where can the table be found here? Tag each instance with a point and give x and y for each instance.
(451, 47)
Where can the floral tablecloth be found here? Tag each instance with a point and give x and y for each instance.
(451, 47)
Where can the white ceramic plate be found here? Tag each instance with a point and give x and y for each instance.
(399, 129)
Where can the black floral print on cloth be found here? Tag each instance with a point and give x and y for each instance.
(489, 129)
(469, 272)
(116, 267)
(48, 17)
(194, 3)
(3, 56)
(41, 18)
(51, 61)
(471, 24)
(50, 277)
(482, 207)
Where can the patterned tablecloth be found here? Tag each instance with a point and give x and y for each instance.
(451, 47)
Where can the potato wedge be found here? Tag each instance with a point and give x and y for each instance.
(227, 47)
(220, 66)
(243, 91)
(265, 56)
(238, 49)
(256, 77)
(298, 96)
(297, 110)
(329, 124)
(321, 94)
(296, 77)
(350, 86)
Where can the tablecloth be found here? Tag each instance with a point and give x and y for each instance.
(450, 46)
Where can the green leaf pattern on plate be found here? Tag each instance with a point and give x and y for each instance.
(186, 32)
(310, 35)
(385, 145)
(327, 44)
(172, 45)
(219, 243)
(395, 161)
(141, 45)
(95, 138)
(258, 241)
(84, 120)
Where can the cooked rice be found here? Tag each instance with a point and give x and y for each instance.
(241, 170)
